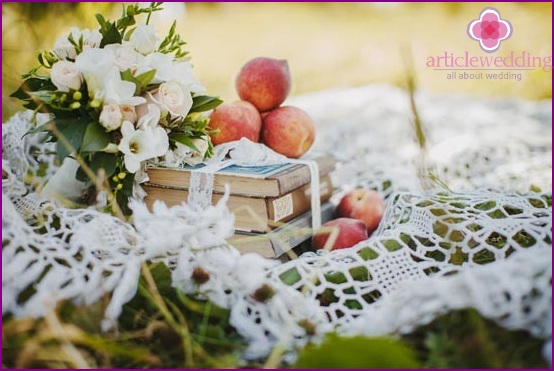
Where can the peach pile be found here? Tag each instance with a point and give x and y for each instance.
(263, 84)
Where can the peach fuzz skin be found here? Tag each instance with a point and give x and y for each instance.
(235, 120)
(288, 131)
(264, 82)
(351, 232)
(363, 204)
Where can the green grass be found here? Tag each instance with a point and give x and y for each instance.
(163, 328)
(464, 339)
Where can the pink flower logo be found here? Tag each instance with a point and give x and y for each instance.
(489, 30)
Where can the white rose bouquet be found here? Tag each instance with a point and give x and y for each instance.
(120, 95)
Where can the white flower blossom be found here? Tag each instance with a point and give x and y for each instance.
(169, 70)
(129, 113)
(196, 157)
(65, 50)
(176, 156)
(141, 145)
(125, 57)
(173, 99)
(120, 92)
(162, 63)
(144, 39)
(65, 75)
(94, 63)
(182, 73)
(111, 117)
(151, 118)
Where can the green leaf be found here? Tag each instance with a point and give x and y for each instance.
(31, 85)
(140, 81)
(357, 352)
(95, 139)
(145, 78)
(103, 160)
(184, 139)
(203, 103)
(40, 128)
(101, 20)
(127, 75)
(81, 175)
(110, 34)
(45, 96)
(125, 22)
(73, 131)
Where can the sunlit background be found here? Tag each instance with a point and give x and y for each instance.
(327, 45)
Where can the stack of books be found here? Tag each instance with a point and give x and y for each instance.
(268, 201)
(284, 242)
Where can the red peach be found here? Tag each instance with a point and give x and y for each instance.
(235, 120)
(351, 231)
(264, 82)
(363, 204)
(288, 131)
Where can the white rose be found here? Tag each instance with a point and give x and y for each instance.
(144, 39)
(65, 50)
(182, 73)
(94, 64)
(129, 113)
(65, 75)
(91, 38)
(125, 57)
(162, 63)
(174, 99)
(111, 117)
(149, 116)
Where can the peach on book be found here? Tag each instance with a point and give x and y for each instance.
(350, 232)
(363, 204)
(264, 82)
(289, 131)
(235, 120)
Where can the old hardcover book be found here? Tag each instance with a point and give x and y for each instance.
(251, 181)
(279, 242)
(257, 214)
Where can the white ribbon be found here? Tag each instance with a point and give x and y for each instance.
(244, 152)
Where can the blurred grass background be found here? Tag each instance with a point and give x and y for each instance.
(327, 45)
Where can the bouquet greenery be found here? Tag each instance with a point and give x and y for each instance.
(118, 96)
